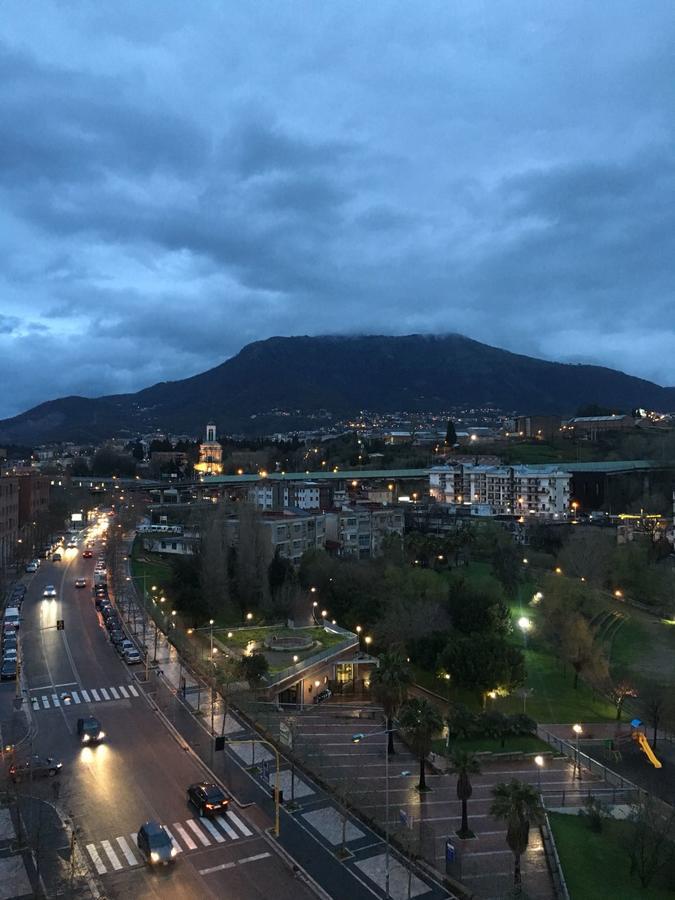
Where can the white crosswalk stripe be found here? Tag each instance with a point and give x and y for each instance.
(114, 693)
(93, 695)
(55, 700)
(240, 825)
(133, 691)
(200, 834)
(45, 702)
(126, 850)
(112, 856)
(76, 697)
(105, 694)
(184, 835)
(35, 702)
(85, 696)
(123, 692)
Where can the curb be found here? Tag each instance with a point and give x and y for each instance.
(297, 870)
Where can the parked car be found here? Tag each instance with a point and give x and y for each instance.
(8, 670)
(32, 567)
(9, 653)
(36, 767)
(9, 641)
(132, 657)
(117, 637)
(155, 845)
(89, 730)
(49, 592)
(207, 798)
(80, 582)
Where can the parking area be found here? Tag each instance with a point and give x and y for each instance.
(424, 822)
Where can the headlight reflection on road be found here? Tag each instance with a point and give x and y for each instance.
(96, 757)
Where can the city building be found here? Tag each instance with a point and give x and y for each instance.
(591, 426)
(359, 530)
(33, 495)
(290, 532)
(540, 427)
(9, 518)
(210, 453)
(541, 491)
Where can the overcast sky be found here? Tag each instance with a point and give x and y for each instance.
(179, 179)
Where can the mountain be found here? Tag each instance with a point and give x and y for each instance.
(254, 391)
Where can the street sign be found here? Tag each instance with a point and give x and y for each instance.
(450, 853)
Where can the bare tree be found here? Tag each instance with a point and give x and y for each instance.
(650, 846)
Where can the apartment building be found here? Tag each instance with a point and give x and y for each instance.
(33, 495)
(541, 491)
(9, 518)
(359, 530)
(290, 532)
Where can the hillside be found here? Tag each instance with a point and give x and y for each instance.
(340, 375)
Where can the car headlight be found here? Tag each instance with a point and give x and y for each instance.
(85, 738)
(154, 856)
(101, 735)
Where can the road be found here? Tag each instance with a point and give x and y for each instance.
(140, 772)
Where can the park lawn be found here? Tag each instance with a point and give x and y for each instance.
(597, 865)
(156, 571)
(524, 743)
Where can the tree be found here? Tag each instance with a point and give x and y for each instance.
(506, 566)
(462, 722)
(420, 721)
(650, 844)
(389, 683)
(450, 434)
(254, 668)
(464, 764)
(279, 572)
(252, 560)
(213, 578)
(477, 606)
(588, 554)
(579, 648)
(619, 692)
(517, 804)
(483, 662)
(654, 702)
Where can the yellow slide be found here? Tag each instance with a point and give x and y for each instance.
(646, 748)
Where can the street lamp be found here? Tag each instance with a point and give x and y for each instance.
(356, 739)
(577, 729)
(249, 617)
(211, 637)
(368, 640)
(539, 761)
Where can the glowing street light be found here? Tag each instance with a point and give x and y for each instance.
(578, 730)
(524, 624)
(539, 762)
(249, 617)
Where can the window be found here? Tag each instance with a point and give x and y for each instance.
(344, 672)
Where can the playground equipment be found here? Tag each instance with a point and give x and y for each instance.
(638, 735)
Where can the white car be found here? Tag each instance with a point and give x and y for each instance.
(49, 592)
(132, 657)
(32, 567)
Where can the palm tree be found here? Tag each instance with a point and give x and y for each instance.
(515, 803)
(464, 764)
(389, 683)
(421, 721)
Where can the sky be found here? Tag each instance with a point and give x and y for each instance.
(180, 179)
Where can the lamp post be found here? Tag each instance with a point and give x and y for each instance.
(577, 729)
(356, 739)
(358, 631)
(539, 762)
(211, 638)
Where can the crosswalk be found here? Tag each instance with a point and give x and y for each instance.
(121, 852)
(52, 700)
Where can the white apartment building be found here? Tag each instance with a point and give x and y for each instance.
(541, 491)
(288, 532)
(360, 531)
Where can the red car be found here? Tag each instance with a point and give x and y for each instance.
(87, 554)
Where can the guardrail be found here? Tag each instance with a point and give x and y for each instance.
(553, 860)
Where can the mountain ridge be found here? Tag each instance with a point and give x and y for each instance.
(341, 374)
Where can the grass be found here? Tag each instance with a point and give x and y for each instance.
(156, 571)
(524, 743)
(597, 865)
(280, 659)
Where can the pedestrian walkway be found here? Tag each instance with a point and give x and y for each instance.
(47, 698)
(121, 852)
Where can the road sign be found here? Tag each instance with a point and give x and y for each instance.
(450, 853)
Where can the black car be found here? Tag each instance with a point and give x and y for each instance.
(9, 641)
(101, 603)
(117, 636)
(89, 730)
(35, 767)
(207, 798)
(8, 670)
(155, 844)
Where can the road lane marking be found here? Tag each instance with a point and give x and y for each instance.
(112, 856)
(75, 697)
(85, 696)
(185, 837)
(226, 828)
(133, 691)
(55, 700)
(178, 847)
(114, 693)
(96, 859)
(219, 868)
(95, 695)
(126, 850)
(105, 694)
(213, 830)
(45, 702)
(66, 684)
(123, 692)
(240, 825)
(197, 830)
(249, 859)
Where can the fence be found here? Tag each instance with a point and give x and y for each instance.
(551, 851)
(584, 760)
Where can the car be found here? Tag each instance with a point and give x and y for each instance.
(35, 767)
(207, 798)
(113, 623)
(155, 845)
(49, 592)
(8, 670)
(80, 582)
(71, 545)
(325, 694)
(117, 636)
(87, 554)
(31, 567)
(132, 657)
(9, 642)
(56, 557)
(9, 653)
(19, 589)
(101, 602)
(89, 730)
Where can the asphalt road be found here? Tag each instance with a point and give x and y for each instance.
(140, 772)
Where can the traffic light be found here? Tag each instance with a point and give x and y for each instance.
(59, 625)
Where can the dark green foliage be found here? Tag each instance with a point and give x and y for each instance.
(280, 572)
(477, 606)
(253, 669)
(450, 434)
(483, 663)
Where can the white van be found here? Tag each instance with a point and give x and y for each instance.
(11, 619)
